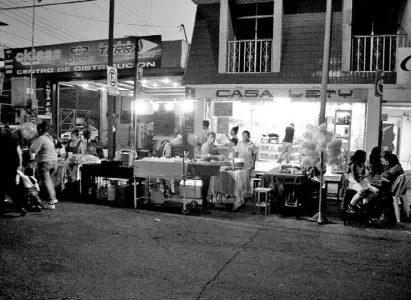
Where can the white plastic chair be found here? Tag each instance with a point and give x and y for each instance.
(397, 189)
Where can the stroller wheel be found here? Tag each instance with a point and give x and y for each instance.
(186, 210)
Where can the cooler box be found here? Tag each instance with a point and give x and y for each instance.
(190, 189)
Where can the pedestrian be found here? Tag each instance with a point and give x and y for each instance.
(46, 154)
(287, 145)
(11, 156)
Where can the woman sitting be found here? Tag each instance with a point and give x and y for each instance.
(209, 148)
(358, 180)
(393, 171)
(76, 145)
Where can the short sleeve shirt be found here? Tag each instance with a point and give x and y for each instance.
(246, 151)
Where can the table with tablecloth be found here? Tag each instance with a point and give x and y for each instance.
(277, 180)
(227, 184)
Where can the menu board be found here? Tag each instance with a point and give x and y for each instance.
(223, 109)
(163, 122)
(223, 125)
(189, 123)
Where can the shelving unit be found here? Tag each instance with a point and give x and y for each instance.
(272, 151)
(343, 128)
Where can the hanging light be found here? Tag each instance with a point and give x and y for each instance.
(166, 80)
(85, 85)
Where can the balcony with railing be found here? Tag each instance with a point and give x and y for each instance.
(250, 56)
(372, 53)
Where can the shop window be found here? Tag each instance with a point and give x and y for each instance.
(126, 111)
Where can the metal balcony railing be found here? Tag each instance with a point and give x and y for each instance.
(372, 53)
(250, 56)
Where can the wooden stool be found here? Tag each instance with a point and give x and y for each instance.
(259, 203)
(254, 183)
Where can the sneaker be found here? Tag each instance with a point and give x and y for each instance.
(23, 212)
(54, 201)
(351, 209)
(50, 206)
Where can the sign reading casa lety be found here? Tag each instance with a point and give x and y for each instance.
(84, 56)
(253, 93)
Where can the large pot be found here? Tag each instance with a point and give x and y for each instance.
(127, 158)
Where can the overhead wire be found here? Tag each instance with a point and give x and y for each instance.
(19, 36)
(46, 26)
(104, 21)
(11, 15)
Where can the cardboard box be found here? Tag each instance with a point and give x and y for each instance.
(190, 189)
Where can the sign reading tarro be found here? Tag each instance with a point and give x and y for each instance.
(83, 56)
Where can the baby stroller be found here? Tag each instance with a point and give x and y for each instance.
(30, 189)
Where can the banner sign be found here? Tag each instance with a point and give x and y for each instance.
(45, 106)
(84, 56)
(403, 65)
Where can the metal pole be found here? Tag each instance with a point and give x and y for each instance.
(135, 91)
(110, 99)
(323, 95)
(32, 94)
(325, 65)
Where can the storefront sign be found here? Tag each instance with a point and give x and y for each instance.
(45, 107)
(223, 109)
(403, 69)
(84, 56)
(313, 93)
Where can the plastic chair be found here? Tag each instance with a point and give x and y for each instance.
(255, 183)
(260, 204)
(397, 190)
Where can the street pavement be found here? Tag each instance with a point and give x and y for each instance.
(82, 251)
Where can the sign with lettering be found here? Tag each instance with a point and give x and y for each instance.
(83, 56)
(223, 109)
(312, 93)
(112, 80)
(223, 125)
(403, 68)
(45, 107)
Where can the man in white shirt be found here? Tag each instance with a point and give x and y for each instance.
(205, 132)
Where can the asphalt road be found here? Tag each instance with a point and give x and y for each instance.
(82, 251)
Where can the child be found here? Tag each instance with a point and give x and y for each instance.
(32, 187)
(357, 178)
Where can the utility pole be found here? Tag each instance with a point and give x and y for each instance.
(323, 96)
(32, 93)
(136, 92)
(111, 100)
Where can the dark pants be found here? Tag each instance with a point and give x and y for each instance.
(8, 186)
(205, 190)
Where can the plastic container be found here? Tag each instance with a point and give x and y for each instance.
(190, 189)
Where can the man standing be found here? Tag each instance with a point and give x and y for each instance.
(46, 154)
(10, 153)
(287, 143)
(205, 132)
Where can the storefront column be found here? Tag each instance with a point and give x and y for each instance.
(103, 117)
(225, 34)
(372, 121)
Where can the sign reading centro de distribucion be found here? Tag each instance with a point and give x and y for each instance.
(84, 56)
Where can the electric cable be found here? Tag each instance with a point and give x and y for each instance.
(27, 17)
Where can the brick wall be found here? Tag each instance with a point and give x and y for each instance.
(302, 51)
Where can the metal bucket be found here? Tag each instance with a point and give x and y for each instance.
(127, 158)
